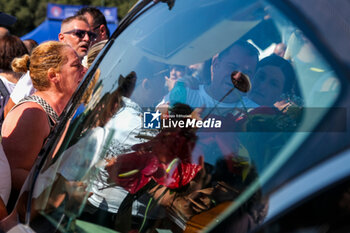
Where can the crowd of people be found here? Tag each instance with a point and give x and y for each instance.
(36, 83)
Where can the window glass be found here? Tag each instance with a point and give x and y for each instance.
(327, 211)
(187, 116)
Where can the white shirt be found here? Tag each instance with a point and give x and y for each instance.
(9, 85)
(126, 124)
(3, 100)
(24, 88)
(198, 98)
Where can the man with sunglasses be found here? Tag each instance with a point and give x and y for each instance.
(76, 32)
(97, 22)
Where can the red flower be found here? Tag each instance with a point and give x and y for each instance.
(165, 159)
(181, 175)
(132, 171)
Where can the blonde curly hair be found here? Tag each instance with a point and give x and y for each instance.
(45, 56)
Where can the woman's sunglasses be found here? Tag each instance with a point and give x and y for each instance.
(81, 34)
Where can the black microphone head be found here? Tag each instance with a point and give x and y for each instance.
(241, 81)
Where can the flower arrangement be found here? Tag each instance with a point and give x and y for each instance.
(166, 159)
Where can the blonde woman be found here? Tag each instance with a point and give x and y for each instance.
(55, 70)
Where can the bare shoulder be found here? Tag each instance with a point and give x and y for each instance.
(27, 116)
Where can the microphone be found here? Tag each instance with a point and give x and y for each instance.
(241, 81)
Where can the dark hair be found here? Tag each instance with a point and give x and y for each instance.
(248, 47)
(74, 17)
(97, 15)
(30, 45)
(286, 68)
(10, 47)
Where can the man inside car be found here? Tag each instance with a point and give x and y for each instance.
(240, 56)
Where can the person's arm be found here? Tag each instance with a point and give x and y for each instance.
(24, 132)
(8, 106)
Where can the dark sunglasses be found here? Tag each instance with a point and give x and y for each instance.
(81, 34)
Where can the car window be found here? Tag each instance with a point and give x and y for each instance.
(189, 113)
(326, 211)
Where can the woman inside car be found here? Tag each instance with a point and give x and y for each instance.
(275, 74)
(56, 71)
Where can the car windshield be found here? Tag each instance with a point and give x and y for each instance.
(187, 116)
